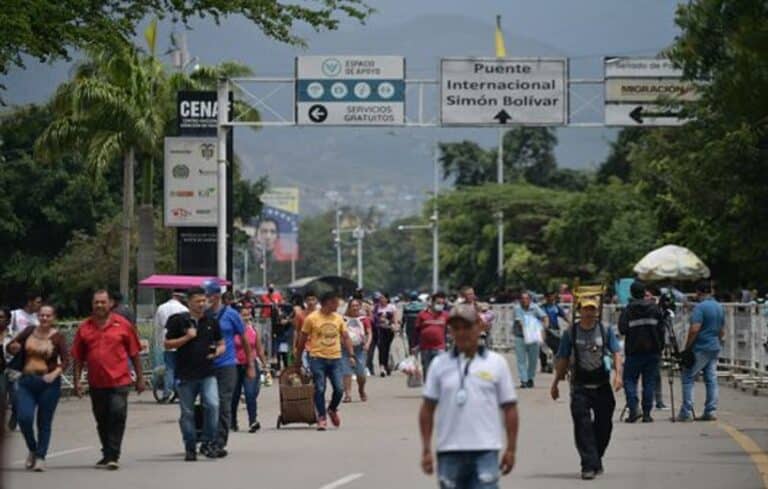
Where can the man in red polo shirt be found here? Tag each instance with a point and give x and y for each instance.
(104, 343)
(431, 327)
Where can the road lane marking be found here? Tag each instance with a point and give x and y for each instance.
(758, 456)
(342, 481)
(58, 454)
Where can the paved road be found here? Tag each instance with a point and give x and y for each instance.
(378, 447)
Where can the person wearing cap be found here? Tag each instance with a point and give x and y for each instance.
(586, 350)
(225, 365)
(466, 388)
(642, 324)
(172, 306)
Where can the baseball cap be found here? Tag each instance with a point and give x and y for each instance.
(588, 303)
(211, 287)
(463, 312)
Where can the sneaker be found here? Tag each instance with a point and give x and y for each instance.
(647, 418)
(662, 407)
(208, 450)
(113, 465)
(102, 464)
(255, 426)
(322, 424)
(235, 427)
(588, 475)
(221, 452)
(39, 465)
(530, 384)
(190, 456)
(684, 418)
(30, 462)
(383, 374)
(335, 419)
(523, 385)
(707, 417)
(600, 471)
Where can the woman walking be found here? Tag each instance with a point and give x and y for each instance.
(44, 357)
(385, 322)
(251, 387)
(359, 329)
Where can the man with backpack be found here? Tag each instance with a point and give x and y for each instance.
(642, 324)
(586, 350)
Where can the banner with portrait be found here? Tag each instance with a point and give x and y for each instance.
(277, 229)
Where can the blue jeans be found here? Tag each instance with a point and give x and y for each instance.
(527, 356)
(322, 369)
(35, 394)
(251, 388)
(706, 361)
(188, 391)
(426, 360)
(647, 366)
(468, 470)
(169, 380)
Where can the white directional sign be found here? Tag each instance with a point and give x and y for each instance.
(190, 181)
(493, 91)
(644, 91)
(350, 90)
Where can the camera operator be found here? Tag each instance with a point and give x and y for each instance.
(642, 324)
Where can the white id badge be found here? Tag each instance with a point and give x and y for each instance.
(461, 397)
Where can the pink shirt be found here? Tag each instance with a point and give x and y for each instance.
(250, 335)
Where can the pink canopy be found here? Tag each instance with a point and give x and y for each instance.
(177, 281)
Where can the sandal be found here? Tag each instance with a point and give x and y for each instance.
(347, 400)
(363, 397)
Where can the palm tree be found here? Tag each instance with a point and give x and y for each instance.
(119, 106)
(107, 113)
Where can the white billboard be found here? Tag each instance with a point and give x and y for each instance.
(493, 91)
(191, 182)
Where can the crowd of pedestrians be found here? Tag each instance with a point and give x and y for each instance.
(216, 351)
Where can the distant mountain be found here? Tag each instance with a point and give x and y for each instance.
(322, 159)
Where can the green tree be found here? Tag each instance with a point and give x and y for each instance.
(528, 155)
(602, 232)
(617, 164)
(468, 246)
(50, 30)
(42, 205)
(707, 179)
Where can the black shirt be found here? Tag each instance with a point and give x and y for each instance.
(192, 362)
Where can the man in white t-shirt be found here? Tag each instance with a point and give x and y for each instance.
(20, 320)
(164, 311)
(467, 387)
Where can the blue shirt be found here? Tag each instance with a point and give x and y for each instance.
(709, 313)
(533, 311)
(230, 324)
(554, 311)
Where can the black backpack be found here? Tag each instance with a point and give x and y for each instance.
(582, 376)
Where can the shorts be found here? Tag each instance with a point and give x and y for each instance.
(359, 369)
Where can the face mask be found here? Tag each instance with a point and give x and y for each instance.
(439, 307)
(271, 290)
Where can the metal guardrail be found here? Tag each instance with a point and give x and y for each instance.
(743, 357)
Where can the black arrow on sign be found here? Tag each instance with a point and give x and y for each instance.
(318, 113)
(638, 114)
(502, 116)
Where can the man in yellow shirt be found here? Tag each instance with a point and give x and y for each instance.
(326, 331)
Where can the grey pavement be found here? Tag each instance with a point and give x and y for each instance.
(378, 446)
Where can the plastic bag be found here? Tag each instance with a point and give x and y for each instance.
(531, 330)
(411, 368)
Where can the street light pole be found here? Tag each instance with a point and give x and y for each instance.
(500, 214)
(337, 240)
(435, 223)
(263, 264)
(359, 234)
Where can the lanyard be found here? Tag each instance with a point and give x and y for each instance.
(466, 371)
